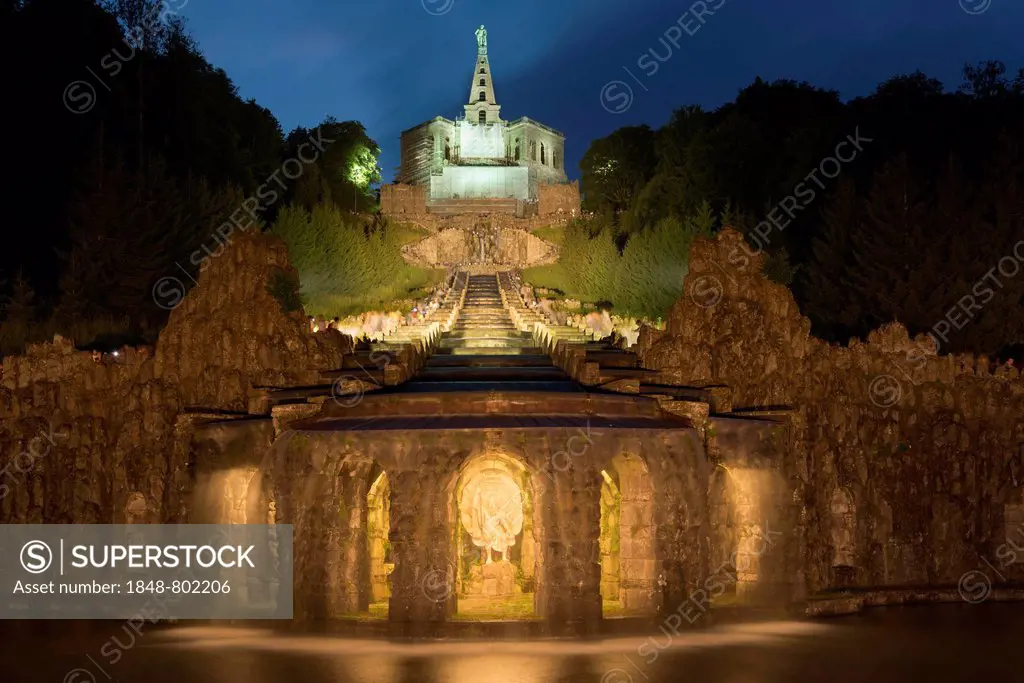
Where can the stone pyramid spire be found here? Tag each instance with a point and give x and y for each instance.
(482, 107)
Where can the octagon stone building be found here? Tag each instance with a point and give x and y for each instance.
(479, 155)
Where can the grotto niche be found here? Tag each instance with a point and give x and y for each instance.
(495, 548)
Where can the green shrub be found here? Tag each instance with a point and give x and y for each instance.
(642, 277)
(349, 263)
(284, 287)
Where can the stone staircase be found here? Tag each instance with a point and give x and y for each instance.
(484, 337)
(591, 362)
(485, 350)
(372, 366)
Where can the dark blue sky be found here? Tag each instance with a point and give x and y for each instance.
(394, 63)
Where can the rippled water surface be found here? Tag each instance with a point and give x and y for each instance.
(896, 645)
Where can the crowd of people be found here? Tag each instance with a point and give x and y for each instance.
(375, 325)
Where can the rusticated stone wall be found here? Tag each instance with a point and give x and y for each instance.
(559, 198)
(230, 333)
(83, 440)
(319, 477)
(403, 199)
(908, 466)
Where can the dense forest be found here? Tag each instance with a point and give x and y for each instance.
(131, 153)
(914, 218)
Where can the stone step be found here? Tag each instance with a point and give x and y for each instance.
(484, 332)
(500, 351)
(489, 361)
(492, 374)
(463, 332)
(440, 387)
(369, 373)
(487, 343)
(479, 322)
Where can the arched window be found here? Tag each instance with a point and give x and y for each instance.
(554, 158)
(543, 156)
(533, 150)
(483, 116)
(483, 70)
(517, 151)
(483, 96)
(482, 82)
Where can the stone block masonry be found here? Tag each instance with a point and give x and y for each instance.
(399, 200)
(747, 457)
(906, 472)
(559, 199)
(124, 422)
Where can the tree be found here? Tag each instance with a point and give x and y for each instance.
(615, 169)
(128, 228)
(19, 307)
(347, 165)
(986, 80)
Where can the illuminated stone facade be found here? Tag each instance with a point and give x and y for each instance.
(756, 465)
(480, 155)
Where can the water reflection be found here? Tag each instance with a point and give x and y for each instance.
(944, 644)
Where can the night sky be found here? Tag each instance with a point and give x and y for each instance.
(395, 63)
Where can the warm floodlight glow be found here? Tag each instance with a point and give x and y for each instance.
(492, 511)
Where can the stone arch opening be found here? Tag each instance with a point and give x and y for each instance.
(737, 502)
(378, 540)
(482, 118)
(482, 97)
(329, 507)
(627, 538)
(495, 538)
(543, 154)
(483, 82)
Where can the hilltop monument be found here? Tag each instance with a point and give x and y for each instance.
(498, 165)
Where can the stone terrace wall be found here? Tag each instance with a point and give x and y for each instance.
(403, 199)
(82, 439)
(230, 332)
(910, 465)
(433, 223)
(79, 437)
(564, 198)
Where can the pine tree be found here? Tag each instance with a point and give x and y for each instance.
(19, 307)
(889, 246)
(701, 223)
(830, 299)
